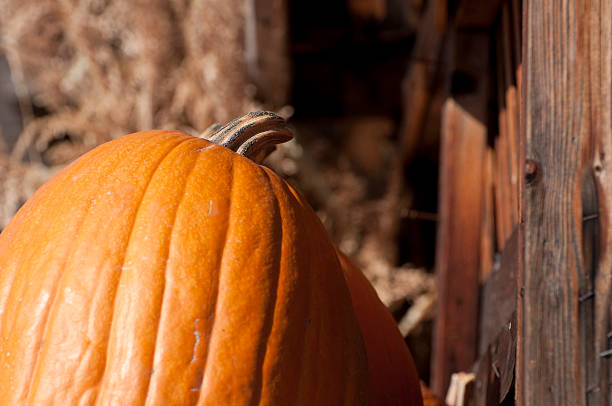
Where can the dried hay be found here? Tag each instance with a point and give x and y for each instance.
(106, 68)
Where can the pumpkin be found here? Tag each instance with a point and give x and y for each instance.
(393, 379)
(162, 268)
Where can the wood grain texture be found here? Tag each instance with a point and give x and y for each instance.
(487, 225)
(512, 115)
(598, 16)
(558, 115)
(498, 294)
(494, 369)
(463, 152)
(586, 294)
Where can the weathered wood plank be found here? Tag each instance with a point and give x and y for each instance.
(511, 111)
(586, 294)
(487, 232)
(498, 295)
(527, 171)
(499, 193)
(504, 201)
(554, 130)
(463, 151)
(598, 17)
(494, 369)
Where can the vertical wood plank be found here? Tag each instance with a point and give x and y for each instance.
(586, 294)
(487, 233)
(599, 19)
(554, 78)
(504, 178)
(463, 150)
(504, 201)
(524, 166)
(511, 111)
(500, 231)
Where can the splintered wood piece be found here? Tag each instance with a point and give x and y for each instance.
(461, 389)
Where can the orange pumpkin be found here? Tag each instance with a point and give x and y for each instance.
(165, 269)
(393, 376)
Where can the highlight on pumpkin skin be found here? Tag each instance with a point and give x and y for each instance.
(253, 135)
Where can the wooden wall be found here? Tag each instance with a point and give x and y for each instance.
(564, 305)
(524, 234)
(479, 201)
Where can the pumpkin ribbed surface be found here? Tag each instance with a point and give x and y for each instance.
(161, 269)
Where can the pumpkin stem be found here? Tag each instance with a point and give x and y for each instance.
(253, 135)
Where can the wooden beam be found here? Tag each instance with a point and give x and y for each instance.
(463, 153)
(567, 58)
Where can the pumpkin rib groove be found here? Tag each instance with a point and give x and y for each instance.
(12, 284)
(274, 289)
(214, 311)
(21, 213)
(49, 193)
(18, 217)
(127, 245)
(14, 274)
(55, 294)
(163, 294)
(56, 285)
